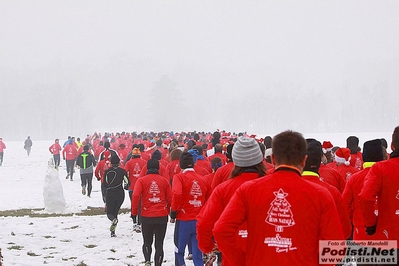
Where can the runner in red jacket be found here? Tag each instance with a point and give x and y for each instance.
(101, 167)
(356, 160)
(286, 215)
(155, 195)
(332, 176)
(2, 148)
(133, 167)
(173, 166)
(342, 163)
(223, 173)
(55, 150)
(372, 153)
(69, 153)
(189, 194)
(202, 160)
(311, 173)
(382, 184)
(243, 171)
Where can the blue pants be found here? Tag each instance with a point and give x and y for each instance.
(187, 233)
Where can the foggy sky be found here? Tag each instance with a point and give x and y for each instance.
(232, 65)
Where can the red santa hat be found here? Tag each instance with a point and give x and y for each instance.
(327, 146)
(343, 155)
(107, 154)
(151, 146)
(166, 143)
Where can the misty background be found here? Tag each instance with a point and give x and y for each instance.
(76, 67)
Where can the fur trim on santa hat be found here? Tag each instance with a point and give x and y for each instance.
(151, 146)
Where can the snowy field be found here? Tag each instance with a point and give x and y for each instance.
(76, 240)
(61, 240)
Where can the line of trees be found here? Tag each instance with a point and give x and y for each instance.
(67, 99)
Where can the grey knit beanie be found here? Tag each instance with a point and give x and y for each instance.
(246, 152)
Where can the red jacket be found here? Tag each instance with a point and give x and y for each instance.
(189, 194)
(200, 170)
(339, 203)
(173, 168)
(55, 148)
(163, 162)
(382, 181)
(222, 174)
(100, 169)
(345, 171)
(214, 207)
(269, 166)
(208, 178)
(220, 155)
(69, 152)
(286, 216)
(133, 168)
(333, 177)
(123, 152)
(162, 171)
(98, 151)
(155, 194)
(2, 146)
(205, 164)
(352, 205)
(357, 160)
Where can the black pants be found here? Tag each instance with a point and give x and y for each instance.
(104, 192)
(139, 207)
(57, 160)
(86, 180)
(154, 227)
(114, 202)
(70, 164)
(1, 158)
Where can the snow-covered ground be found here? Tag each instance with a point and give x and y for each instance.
(76, 240)
(61, 240)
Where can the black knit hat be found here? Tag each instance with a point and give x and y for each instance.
(115, 159)
(157, 155)
(86, 147)
(229, 151)
(372, 151)
(352, 142)
(186, 160)
(314, 152)
(153, 164)
(384, 143)
(107, 144)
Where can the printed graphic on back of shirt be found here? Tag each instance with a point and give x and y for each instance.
(280, 216)
(397, 197)
(195, 192)
(137, 170)
(154, 190)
